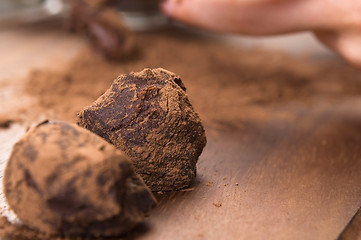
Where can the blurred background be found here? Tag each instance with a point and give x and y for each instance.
(144, 15)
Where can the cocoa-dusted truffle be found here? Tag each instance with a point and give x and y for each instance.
(103, 26)
(62, 179)
(148, 115)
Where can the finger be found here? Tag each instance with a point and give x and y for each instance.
(347, 44)
(252, 17)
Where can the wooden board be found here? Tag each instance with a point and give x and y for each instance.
(295, 174)
(286, 180)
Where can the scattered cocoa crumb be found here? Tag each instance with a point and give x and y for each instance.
(148, 115)
(88, 188)
(217, 204)
(208, 184)
(187, 190)
(237, 184)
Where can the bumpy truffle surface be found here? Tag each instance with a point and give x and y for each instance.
(148, 115)
(62, 179)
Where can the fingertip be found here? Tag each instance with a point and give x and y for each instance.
(345, 44)
(353, 57)
(168, 6)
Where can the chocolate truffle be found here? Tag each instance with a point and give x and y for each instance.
(62, 179)
(148, 115)
(103, 26)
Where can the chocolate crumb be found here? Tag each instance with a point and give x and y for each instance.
(148, 115)
(63, 180)
(217, 204)
(209, 184)
(187, 190)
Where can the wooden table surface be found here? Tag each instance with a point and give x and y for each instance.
(295, 175)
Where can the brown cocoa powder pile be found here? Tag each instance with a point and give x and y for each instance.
(220, 79)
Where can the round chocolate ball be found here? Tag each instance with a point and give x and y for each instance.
(62, 179)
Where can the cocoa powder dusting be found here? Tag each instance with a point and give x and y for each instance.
(216, 75)
(148, 115)
(62, 180)
(10, 231)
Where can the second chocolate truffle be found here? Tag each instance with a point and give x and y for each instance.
(64, 180)
(148, 115)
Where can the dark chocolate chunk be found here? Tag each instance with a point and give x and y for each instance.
(148, 116)
(75, 184)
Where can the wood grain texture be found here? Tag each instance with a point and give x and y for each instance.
(285, 180)
(288, 171)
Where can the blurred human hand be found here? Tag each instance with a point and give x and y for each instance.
(337, 24)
